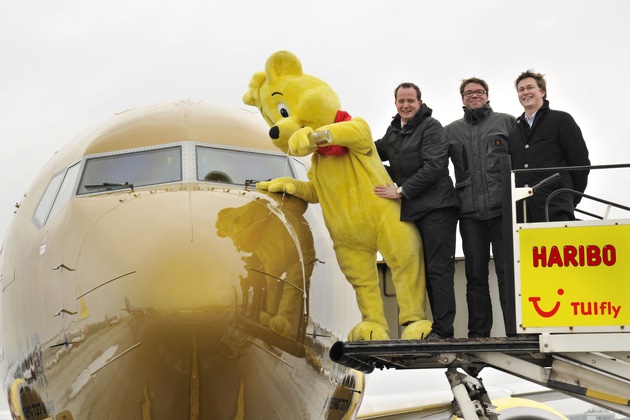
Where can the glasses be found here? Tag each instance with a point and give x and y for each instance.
(479, 92)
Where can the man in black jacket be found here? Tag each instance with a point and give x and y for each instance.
(546, 138)
(416, 147)
(478, 142)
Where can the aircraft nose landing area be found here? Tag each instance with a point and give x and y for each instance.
(187, 327)
(182, 317)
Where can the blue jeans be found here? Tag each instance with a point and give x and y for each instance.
(438, 230)
(477, 236)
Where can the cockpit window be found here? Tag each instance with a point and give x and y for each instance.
(57, 194)
(238, 166)
(46, 202)
(66, 190)
(122, 171)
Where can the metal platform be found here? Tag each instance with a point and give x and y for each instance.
(425, 354)
(580, 344)
(600, 376)
(471, 399)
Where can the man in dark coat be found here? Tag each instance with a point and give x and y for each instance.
(478, 142)
(546, 138)
(416, 147)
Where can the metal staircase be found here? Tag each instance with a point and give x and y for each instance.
(557, 361)
(570, 324)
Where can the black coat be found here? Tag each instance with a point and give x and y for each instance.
(418, 161)
(478, 142)
(554, 140)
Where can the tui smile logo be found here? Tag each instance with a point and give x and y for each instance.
(578, 308)
(546, 314)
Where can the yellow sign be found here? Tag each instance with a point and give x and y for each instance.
(575, 277)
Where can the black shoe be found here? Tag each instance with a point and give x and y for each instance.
(434, 336)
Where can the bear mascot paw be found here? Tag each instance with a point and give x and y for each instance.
(417, 330)
(367, 331)
(277, 323)
(280, 325)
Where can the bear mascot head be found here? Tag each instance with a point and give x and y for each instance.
(290, 100)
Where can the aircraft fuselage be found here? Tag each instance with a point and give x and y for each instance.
(145, 277)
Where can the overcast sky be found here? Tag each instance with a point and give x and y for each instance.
(66, 65)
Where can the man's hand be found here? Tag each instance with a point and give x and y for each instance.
(387, 191)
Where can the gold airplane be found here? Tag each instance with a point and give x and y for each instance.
(144, 277)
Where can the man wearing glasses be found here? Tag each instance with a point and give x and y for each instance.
(546, 138)
(477, 142)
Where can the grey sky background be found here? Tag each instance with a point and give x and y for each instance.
(66, 64)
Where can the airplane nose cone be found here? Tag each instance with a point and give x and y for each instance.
(176, 286)
(161, 252)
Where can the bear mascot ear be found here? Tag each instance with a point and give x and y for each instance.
(252, 97)
(282, 64)
(279, 65)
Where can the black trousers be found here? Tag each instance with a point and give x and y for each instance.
(477, 237)
(438, 230)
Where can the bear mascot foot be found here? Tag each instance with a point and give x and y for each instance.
(280, 325)
(417, 330)
(264, 317)
(368, 331)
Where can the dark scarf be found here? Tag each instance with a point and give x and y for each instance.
(475, 115)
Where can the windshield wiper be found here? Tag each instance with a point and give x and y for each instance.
(110, 186)
(254, 181)
(249, 182)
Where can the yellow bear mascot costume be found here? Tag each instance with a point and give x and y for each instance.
(341, 178)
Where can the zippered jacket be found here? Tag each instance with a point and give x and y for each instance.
(477, 142)
(418, 161)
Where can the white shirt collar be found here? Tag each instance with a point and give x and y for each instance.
(530, 120)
